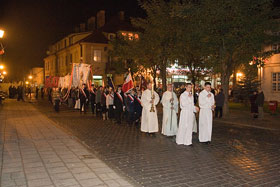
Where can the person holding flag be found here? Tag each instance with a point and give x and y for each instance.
(130, 106)
(137, 107)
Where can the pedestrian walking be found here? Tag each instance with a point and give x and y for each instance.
(184, 135)
(110, 104)
(149, 119)
(137, 108)
(20, 93)
(42, 92)
(56, 99)
(92, 98)
(207, 105)
(36, 92)
(260, 102)
(130, 106)
(103, 104)
(254, 105)
(219, 99)
(170, 109)
(98, 101)
(119, 104)
(84, 95)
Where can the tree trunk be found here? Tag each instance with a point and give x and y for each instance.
(234, 79)
(225, 76)
(163, 76)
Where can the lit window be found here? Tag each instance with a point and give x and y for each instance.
(130, 36)
(276, 81)
(97, 56)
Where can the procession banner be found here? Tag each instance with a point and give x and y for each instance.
(80, 74)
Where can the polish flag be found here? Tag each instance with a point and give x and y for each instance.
(128, 84)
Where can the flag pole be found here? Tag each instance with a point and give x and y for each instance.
(172, 102)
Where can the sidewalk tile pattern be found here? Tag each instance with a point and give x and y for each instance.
(35, 153)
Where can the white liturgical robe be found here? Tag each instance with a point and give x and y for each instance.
(184, 135)
(205, 115)
(149, 120)
(169, 128)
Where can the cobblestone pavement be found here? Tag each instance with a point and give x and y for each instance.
(36, 153)
(237, 156)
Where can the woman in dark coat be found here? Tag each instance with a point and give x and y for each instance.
(254, 106)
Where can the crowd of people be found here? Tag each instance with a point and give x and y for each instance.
(137, 107)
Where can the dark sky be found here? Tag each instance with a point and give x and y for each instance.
(30, 26)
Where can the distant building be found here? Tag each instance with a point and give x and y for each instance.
(88, 45)
(269, 76)
(37, 74)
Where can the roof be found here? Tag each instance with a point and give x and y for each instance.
(95, 37)
(115, 24)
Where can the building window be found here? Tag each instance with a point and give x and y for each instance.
(97, 56)
(276, 81)
(66, 60)
(111, 36)
(70, 58)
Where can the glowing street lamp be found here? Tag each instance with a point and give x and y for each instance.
(30, 77)
(4, 73)
(1, 67)
(26, 82)
(2, 33)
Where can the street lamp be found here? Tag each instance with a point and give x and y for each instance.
(30, 77)
(1, 67)
(4, 73)
(1, 33)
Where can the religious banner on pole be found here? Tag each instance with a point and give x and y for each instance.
(80, 74)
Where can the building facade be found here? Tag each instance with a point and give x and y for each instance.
(269, 76)
(90, 45)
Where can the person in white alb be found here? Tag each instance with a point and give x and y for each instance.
(207, 105)
(184, 135)
(149, 119)
(170, 109)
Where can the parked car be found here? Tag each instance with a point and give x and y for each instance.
(3, 95)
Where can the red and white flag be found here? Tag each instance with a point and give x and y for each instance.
(128, 84)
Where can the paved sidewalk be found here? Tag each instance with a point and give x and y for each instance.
(244, 118)
(34, 152)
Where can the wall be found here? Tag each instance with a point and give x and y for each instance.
(265, 76)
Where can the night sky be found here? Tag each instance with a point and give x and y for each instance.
(31, 26)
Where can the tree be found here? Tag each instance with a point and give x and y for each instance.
(158, 35)
(234, 31)
(247, 83)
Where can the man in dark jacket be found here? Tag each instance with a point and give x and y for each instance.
(84, 95)
(98, 101)
(92, 99)
(130, 106)
(137, 108)
(260, 102)
(219, 99)
(119, 104)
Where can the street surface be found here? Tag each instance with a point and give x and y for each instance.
(36, 153)
(237, 156)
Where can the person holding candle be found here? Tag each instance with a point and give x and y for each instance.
(149, 120)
